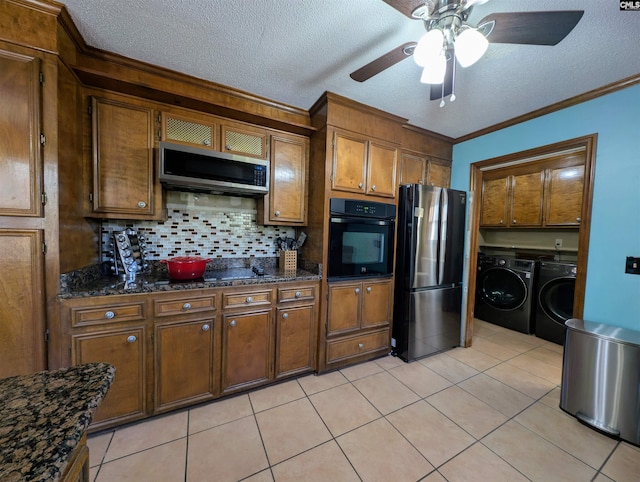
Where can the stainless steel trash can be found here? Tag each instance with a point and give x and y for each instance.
(601, 378)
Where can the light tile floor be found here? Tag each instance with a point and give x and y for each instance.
(486, 413)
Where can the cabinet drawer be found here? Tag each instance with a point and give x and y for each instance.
(247, 298)
(296, 294)
(357, 345)
(106, 313)
(184, 305)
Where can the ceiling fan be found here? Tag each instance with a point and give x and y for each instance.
(448, 36)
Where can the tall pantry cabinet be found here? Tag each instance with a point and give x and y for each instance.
(39, 97)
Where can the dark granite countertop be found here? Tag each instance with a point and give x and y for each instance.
(157, 280)
(43, 417)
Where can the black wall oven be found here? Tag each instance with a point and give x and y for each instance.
(361, 235)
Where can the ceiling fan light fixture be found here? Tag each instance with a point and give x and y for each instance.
(469, 46)
(429, 47)
(434, 72)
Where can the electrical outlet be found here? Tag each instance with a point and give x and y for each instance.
(558, 243)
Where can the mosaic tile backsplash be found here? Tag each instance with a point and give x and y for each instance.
(202, 225)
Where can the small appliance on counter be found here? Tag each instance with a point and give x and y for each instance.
(129, 253)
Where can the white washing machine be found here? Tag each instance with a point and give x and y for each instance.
(505, 292)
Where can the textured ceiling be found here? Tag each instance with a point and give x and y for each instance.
(292, 51)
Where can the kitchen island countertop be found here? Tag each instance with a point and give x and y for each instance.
(43, 417)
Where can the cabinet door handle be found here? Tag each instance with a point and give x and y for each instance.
(142, 204)
(368, 289)
(357, 290)
(360, 346)
(131, 338)
(578, 220)
(186, 306)
(249, 299)
(285, 315)
(206, 142)
(298, 294)
(514, 221)
(205, 327)
(277, 213)
(232, 323)
(109, 315)
(360, 184)
(228, 147)
(373, 188)
(501, 221)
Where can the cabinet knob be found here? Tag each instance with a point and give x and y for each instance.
(285, 315)
(277, 213)
(232, 323)
(205, 327)
(227, 147)
(131, 338)
(514, 221)
(298, 294)
(142, 204)
(578, 220)
(368, 289)
(360, 346)
(186, 306)
(109, 314)
(373, 188)
(249, 299)
(357, 290)
(360, 184)
(501, 221)
(206, 142)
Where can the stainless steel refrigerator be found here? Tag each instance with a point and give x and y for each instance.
(428, 274)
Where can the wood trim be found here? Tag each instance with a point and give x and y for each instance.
(588, 144)
(578, 99)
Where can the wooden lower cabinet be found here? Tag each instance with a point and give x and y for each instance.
(124, 347)
(246, 350)
(178, 348)
(358, 321)
(184, 357)
(295, 340)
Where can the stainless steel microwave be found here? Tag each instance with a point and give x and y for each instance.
(203, 170)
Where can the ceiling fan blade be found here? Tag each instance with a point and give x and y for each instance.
(383, 62)
(405, 7)
(436, 89)
(532, 28)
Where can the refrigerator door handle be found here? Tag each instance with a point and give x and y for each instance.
(442, 228)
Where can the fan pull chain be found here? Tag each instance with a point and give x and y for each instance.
(453, 80)
(442, 95)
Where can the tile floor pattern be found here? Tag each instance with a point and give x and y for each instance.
(486, 413)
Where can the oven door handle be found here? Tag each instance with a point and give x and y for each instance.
(375, 222)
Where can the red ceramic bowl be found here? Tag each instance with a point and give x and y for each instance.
(186, 267)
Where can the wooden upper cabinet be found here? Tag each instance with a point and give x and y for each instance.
(381, 170)
(189, 131)
(540, 194)
(22, 307)
(564, 196)
(349, 161)
(526, 199)
(20, 149)
(412, 168)
(439, 174)
(286, 203)
(494, 202)
(124, 181)
(244, 140)
(363, 166)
